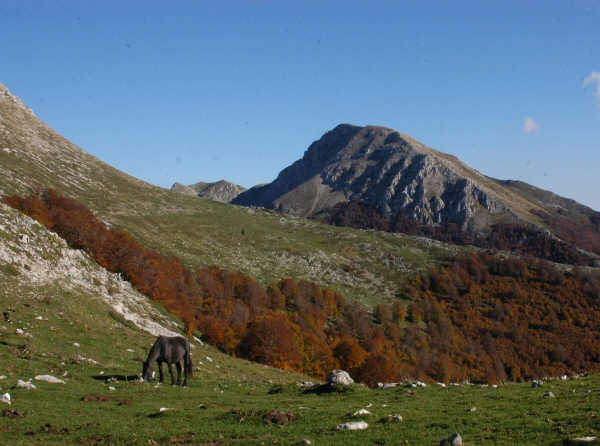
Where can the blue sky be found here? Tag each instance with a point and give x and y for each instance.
(200, 91)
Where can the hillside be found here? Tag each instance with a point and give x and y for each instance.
(263, 244)
(395, 175)
(71, 332)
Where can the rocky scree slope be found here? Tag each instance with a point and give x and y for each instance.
(37, 257)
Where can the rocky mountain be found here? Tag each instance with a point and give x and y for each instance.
(394, 174)
(218, 191)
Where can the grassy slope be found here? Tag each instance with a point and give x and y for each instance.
(367, 266)
(225, 405)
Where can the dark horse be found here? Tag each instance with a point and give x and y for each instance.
(169, 350)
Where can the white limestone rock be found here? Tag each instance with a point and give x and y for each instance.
(352, 426)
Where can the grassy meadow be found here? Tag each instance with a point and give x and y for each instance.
(232, 401)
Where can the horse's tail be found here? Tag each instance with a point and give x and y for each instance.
(188, 360)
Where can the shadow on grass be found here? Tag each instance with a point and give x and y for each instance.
(116, 377)
(320, 389)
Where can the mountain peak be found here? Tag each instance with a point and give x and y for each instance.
(7, 97)
(392, 173)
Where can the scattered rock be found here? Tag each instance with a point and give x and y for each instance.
(49, 379)
(452, 440)
(473, 409)
(76, 344)
(305, 384)
(352, 426)
(25, 384)
(387, 385)
(5, 398)
(3, 377)
(548, 395)
(394, 418)
(339, 377)
(84, 359)
(536, 383)
(305, 441)
(111, 388)
(161, 412)
(209, 359)
(361, 412)
(280, 418)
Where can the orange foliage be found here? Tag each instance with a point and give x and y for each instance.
(480, 318)
(274, 340)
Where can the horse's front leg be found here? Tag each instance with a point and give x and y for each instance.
(178, 367)
(171, 373)
(160, 372)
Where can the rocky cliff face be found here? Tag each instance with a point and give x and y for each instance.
(218, 191)
(390, 172)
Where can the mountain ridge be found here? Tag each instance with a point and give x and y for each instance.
(393, 173)
(221, 190)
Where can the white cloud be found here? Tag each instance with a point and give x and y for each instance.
(593, 79)
(530, 126)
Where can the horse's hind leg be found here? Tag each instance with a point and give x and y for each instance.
(160, 372)
(171, 373)
(178, 367)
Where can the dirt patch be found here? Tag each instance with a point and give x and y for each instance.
(12, 413)
(94, 440)
(124, 403)
(94, 397)
(278, 417)
(182, 439)
(50, 429)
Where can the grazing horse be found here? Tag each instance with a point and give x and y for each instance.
(170, 350)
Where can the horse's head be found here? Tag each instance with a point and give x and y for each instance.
(147, 371)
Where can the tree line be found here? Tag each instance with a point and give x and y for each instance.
(519, 238)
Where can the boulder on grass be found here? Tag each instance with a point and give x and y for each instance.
(339, 377)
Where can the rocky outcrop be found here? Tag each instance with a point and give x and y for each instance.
(218, 191)
(388, 171)
(339, 378)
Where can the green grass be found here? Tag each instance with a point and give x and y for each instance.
(228, 399)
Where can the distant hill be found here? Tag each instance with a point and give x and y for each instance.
(393, 174)
(222, 190)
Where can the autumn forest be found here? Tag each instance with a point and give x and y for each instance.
(483, 317)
